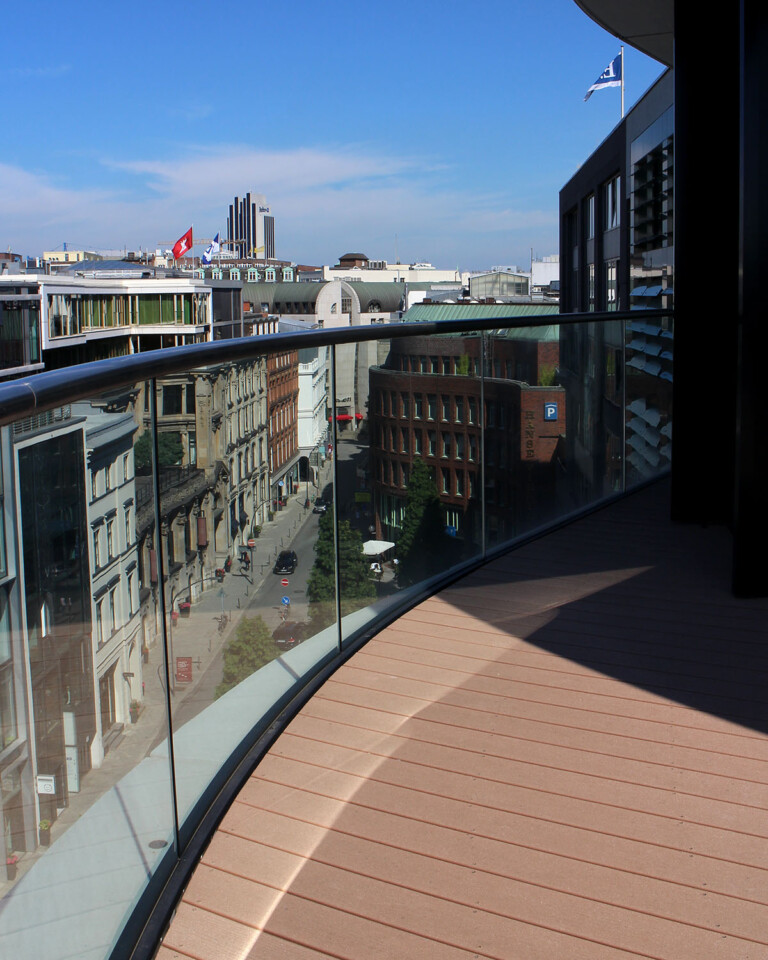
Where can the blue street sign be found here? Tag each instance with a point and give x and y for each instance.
(550, 411)
(451, 531)
(286, 601)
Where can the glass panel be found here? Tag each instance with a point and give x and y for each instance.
(524, 408)
(239, 536)
(408, 487)
(85, 797)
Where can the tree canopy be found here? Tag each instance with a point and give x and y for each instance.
(354, 573)
(422, 539)
(169, 450)
(251, 647)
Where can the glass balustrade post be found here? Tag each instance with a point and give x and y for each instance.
(165, 626)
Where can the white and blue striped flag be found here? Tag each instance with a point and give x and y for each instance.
(212, 249)
(610, 77)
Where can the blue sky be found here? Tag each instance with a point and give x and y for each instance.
(451, 127)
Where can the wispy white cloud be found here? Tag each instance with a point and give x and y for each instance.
(48, 72)
(324, 199)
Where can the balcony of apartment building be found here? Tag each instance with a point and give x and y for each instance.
(545, 742)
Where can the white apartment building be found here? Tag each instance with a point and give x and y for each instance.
(111, 510)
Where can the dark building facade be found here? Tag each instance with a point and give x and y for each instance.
(617, 253)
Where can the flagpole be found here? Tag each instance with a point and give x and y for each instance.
(622, 81)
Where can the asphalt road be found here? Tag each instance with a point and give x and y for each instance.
(265, 602)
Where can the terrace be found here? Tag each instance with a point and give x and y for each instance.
(550, 744)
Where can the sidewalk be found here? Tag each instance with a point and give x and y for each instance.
(198, 637)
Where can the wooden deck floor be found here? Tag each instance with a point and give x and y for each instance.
(562, 756)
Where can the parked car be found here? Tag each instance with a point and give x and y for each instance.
(286, 562)
(320, 506)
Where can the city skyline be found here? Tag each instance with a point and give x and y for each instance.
(390, 155)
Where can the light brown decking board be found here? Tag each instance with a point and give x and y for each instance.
(561, 756)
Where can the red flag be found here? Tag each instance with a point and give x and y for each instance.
(183, 245)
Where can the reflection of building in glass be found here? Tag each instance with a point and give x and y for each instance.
(115, 616)
(55, 584)
(617, 248)
(282, 399)
(16, 751)
(428, 402)
(213, 475)
(312, 408)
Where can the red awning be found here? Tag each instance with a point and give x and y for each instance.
(341, 416)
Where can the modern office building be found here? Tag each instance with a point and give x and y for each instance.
(251, 227)
(617, 245)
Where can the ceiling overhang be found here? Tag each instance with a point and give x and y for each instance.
(648, 25)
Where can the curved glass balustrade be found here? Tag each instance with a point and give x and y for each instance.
(184, 549)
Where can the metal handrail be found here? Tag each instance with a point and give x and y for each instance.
(31, 395)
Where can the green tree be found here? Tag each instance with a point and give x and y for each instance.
(422, 538)
(357, 588)
(169, 450)
(251, 647)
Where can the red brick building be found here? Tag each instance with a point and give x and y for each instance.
(429, 401)
(283, 437)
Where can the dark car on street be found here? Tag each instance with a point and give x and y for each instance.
(320, 506)
(286, 562)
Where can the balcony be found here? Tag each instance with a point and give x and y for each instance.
(559, 749)
(560, 755)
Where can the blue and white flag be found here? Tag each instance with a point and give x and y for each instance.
(610, 77)
(212, 249)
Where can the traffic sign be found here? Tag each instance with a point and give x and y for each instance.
(251, 542)
(284, 582)
(286, 601)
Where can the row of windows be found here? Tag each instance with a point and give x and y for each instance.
(452, 483)
(105, 538)
(69, 314)
(462, 365)
(450, 409)
(246, 464)
(252, 275)
(611, 212)
(429, 443)
(109, 616)
(110, 477)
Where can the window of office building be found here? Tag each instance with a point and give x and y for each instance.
(590, 216)
(591, 285)
(612, 203)
(611, 285)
